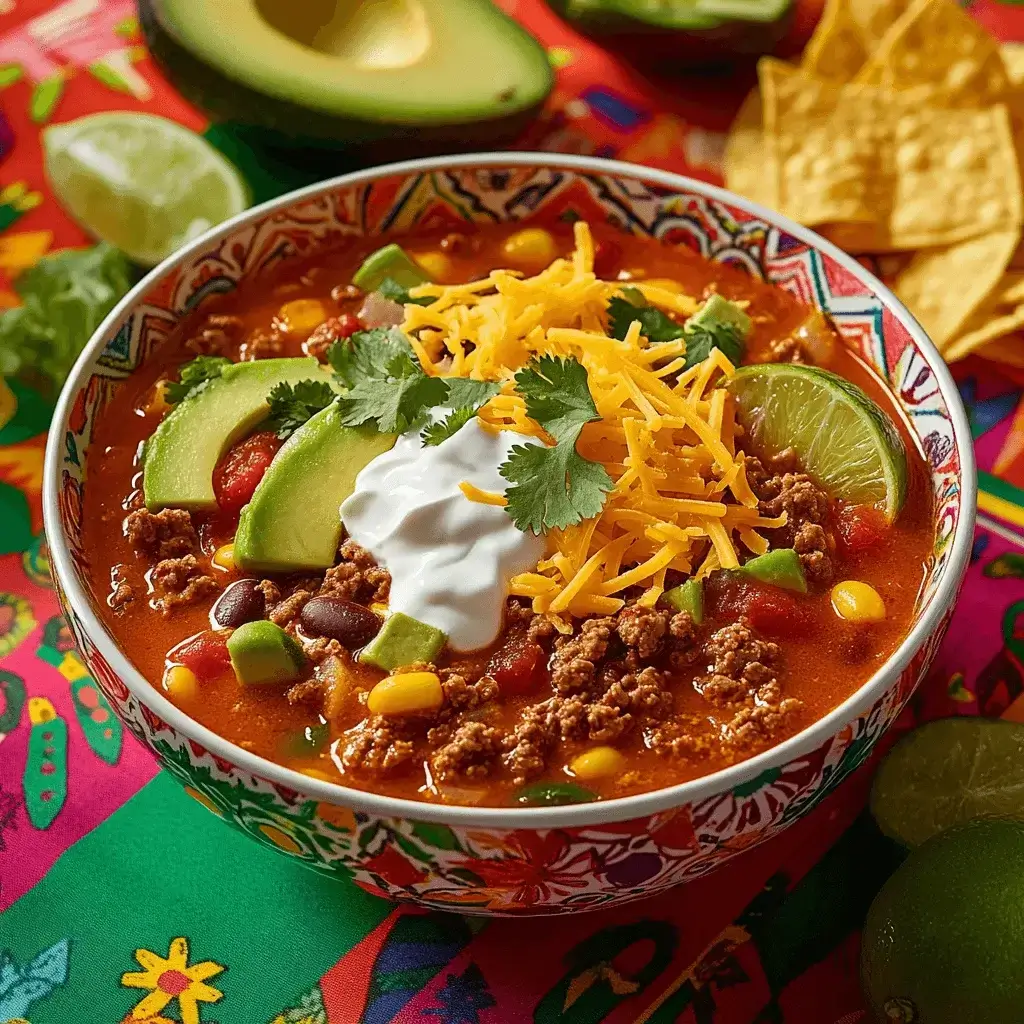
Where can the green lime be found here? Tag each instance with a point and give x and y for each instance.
(844, 440)
(946, 773)
(942, 941)
(142, 183)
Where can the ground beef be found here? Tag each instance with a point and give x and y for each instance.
(539, 628)
(379, 744)
(574, 664)
(539, 729)
(740, 664)
(161, 535)
(472, 751)
(464, 692)
(629, 698)
(218, 334)
(322, 648)
(798, 496)
(789, 350)
(683, 641)
(686, 737)
(815, 547)
(123, 594)
(756, 725)
(309, 691)
(271, 592)
(643, 629)
(181, 581)
(286, 612)
(323, 337)
(261, 344)
(356, 576)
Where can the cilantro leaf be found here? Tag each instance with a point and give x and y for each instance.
(291, 405)
(465, 397)
(700, 340)
(367, 354)
(435, 433)
(64, 298)
(655, 326)
(555, 486)
(387, 385)
(193, 376)
(392, 290)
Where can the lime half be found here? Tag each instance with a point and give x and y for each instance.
(946, 773)
(142, 183)
(842, 438)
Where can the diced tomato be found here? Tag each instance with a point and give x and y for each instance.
(347, 324)
(518, 666)
(860, 527)
(772, 611)
(606, 259)
(240, 471)
(205, 654)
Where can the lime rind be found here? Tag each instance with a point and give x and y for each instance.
(843, 439)
(947, 772)
(141, 182)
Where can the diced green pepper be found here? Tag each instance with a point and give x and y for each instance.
(781, 568)
(553, 794)
(687, 597)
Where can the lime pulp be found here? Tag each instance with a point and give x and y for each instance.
(140, 182)
(842, 438)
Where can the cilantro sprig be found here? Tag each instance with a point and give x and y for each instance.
(292, 405)
(465, 397)
(654, 324)
(701, 339)
(554, 487)
(386, 384)
(193, 375)
(392, 290)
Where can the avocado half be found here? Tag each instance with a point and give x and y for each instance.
(398, 76)
(682, 33)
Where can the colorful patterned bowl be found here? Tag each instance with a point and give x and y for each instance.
(516, 861)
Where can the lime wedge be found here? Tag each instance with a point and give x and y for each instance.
(947, 772)
(843, 439)
(142, 183)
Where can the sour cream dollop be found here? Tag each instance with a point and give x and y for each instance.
(450, 558)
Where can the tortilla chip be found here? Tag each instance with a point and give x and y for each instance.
(925, 176)
(938, 46)
(837, 49)
(943, 287)
(981, 332)
(747, 153)
(875, 17)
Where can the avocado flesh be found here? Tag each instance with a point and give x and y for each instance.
(181, 455)
(328, 69)
(781, 568)
(390, 261)
(263, 653)
(719, 312)
(688, 597)
(292, 521)
(402, 641)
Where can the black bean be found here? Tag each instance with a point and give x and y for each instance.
(242, 602)
(351, 624)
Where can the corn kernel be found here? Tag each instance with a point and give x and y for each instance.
(438, 267)
(302, 316)
(857, 602)
(181, 683)
(533, 247)
(597, 763)
(407, 693)
(379, 607)
(224, 557)
(157, 404)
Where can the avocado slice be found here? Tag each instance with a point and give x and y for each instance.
(389, 261)
(292, 521)
(412, 76)
(719, 312)
(402, 641)
(780, 567)
(688, 597)
(184, 450)
(262, 652)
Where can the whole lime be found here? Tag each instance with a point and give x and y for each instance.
(943, 939)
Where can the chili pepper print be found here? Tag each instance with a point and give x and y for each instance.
(45, 781)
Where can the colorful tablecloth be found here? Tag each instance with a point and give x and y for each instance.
(123, 899)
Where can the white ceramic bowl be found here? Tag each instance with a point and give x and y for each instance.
(517, 860)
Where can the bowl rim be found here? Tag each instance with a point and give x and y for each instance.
(510, 818)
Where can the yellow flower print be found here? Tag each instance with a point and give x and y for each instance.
(172, 978)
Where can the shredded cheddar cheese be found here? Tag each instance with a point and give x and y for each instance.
(667, 435)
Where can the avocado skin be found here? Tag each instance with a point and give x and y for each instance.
(294, 126)
(672, 49)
